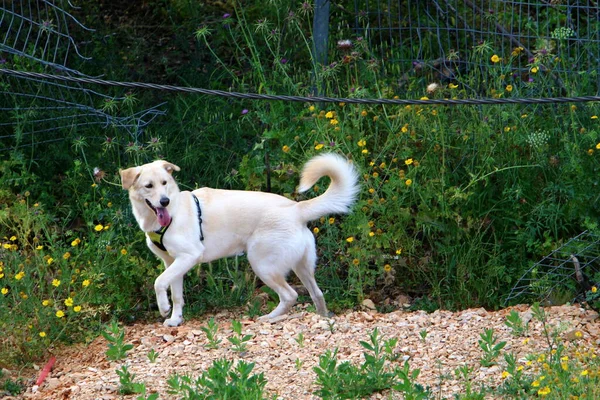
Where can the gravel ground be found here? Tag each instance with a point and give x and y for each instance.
(83, 371)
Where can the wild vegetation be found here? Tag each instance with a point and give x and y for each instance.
(456, 202)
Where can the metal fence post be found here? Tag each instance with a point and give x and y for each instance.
(320, 38)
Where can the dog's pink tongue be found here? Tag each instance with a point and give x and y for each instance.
(163, 216)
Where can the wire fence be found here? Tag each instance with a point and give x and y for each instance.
(40, 34)
(441, 37)
(564, 275)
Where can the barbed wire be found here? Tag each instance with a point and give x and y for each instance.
(306, 99)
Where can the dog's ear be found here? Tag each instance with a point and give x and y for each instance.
(170, 167)
(129, 176)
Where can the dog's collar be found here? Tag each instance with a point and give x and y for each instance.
(156, 237)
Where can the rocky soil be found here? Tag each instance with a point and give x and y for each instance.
(83, 372)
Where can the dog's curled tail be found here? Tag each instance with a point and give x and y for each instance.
(340, 194)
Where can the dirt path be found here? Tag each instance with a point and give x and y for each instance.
(83, 372)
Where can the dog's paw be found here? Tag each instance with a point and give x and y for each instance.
(173, 321)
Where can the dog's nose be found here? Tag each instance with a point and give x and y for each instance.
(164, 201)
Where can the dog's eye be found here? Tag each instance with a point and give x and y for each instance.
(164, 183)
(149, 186)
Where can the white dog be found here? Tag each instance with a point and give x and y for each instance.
(189, 228)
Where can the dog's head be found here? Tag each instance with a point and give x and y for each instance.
(152, 184)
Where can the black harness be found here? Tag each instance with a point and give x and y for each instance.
(156, 237)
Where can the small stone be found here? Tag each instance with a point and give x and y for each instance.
(369, 304)
(168, 338)
(52, 384)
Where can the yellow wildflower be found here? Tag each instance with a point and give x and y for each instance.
(46, 303)
(86, 283)
(331, 221)
(594, 117)
(77, 308)
(398, 252)
(75, 242)
(50, 260)
(124, 252)
(39, 247)
(316, 230)
(408, 161)
(408, 182)
(516, 51)
(505, 374)
(329, 115)
(285, 148)
(55, 283)
(13, 238)
(495, 58)
(67, 255)
(69, 302)
(362, 143)
(544, 391)
(356, 261)
(387, 267)
(509, 88)
(98, 227)
(452, 86)
(363, 113)
(4, 291)
(42, 334)
(60, 314)
(350, 239)
(319, 146)
(534, 70)
(594, 289)
(311, 108)
(584, 372)
(334, 121)
(20, 275)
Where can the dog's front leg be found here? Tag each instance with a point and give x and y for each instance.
(177, 299)
(173, 277)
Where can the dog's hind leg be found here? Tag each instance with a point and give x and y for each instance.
(305, 270)
(272, 276)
